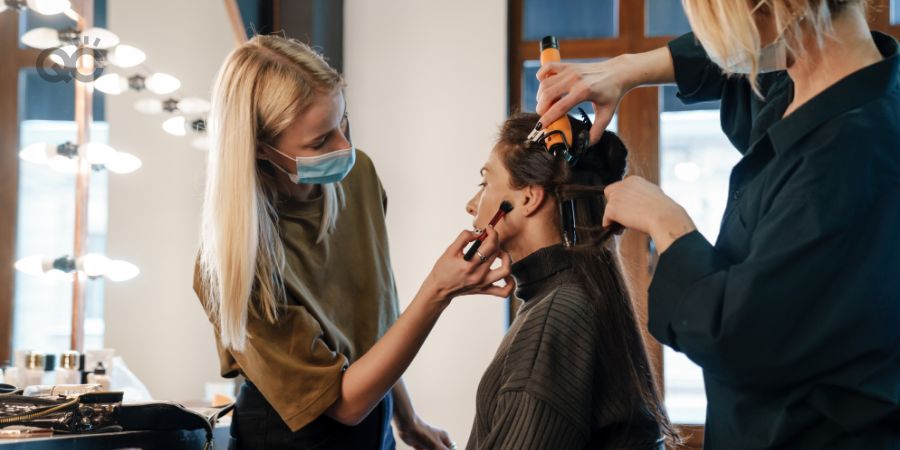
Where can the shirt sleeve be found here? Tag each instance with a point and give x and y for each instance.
(523, 422)
(289, 362)
(697, 77)
(810, 296)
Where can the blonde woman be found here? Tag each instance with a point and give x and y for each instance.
(793, 313)
(294, 271)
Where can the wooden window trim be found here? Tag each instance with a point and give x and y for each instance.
(9, 171)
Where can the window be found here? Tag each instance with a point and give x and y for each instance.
(46, 218)
(45, 214)
(570, 19)
(665, 18)
(895, 12)
(695, 164)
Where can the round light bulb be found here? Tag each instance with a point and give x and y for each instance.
(98, 153)
(126, 56)
(95, 265)
(3, 7)
(149, 106)
(99, 38)
(122, 270)
(38, 153)
(111, 83)
(121, 162)
(49, 7)
(32, 265)
(194, 106)
(42, 38)
(175, 126)
(162, 83)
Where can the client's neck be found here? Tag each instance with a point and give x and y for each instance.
(534, 237)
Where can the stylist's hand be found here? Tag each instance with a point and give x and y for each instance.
(453, 276)
(640, 205)
(600, 83)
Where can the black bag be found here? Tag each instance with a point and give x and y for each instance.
(171, 416)
(87, 413)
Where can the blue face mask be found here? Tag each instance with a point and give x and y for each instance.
(331, 167)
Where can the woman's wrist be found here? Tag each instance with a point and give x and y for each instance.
(652, 67)
(405, 422)
(433, 300)
(627, 66)
(669, 227)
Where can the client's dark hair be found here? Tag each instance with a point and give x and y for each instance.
(604, 163)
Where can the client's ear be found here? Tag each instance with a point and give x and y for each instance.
(533, 197)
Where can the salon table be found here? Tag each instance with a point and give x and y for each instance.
(145, 440)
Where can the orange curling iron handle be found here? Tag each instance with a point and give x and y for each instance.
(550, 53)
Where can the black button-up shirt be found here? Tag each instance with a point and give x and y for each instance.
(794, 313)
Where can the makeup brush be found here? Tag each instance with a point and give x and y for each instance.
(505, 208)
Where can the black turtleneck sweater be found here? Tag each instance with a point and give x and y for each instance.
(543, 390)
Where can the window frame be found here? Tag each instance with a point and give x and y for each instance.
(639, 127)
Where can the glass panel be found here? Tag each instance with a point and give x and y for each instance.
(570, 19)
(46, 216)
(895, 12)
(665, 18)
(671, 102)
(696, 162)
(530, 86)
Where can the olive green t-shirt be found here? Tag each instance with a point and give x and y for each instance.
(341, 298)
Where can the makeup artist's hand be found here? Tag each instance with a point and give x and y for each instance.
(453, 276)
(640, 205)
(421, 436)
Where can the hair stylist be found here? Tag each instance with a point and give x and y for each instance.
(793, 314)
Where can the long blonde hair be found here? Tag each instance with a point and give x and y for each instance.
(259, 91)
(727, 28)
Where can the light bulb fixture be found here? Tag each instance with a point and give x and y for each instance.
(62, 158)
(158, 83)
(181, 125)
(32, 265)
(162, 83)
(125, 56)
(42, 38)
(65, 268)
(121, 162)
(94, 38)
(99, 38)
(176, 126)
(48, 7)
(111, 84)
(45, 7)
